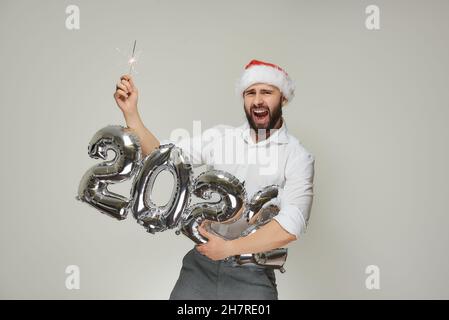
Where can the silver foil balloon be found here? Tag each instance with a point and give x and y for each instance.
(274, 259)
(252, 214)
(93, 188)
(261, 218)
(159, 218)
(259, 199)
(228, 209)
(258, 213)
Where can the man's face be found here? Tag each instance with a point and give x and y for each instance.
(263, 105)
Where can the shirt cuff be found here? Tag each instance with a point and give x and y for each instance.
(291, 219)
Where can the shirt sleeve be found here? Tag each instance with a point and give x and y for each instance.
(297, 195)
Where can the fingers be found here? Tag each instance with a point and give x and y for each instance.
(127, 85)
(199, 248)
(204, 223)
(123, 87)
(125, 77)
(121, 94)
(131, 82)
(128, 81)
(204, 232)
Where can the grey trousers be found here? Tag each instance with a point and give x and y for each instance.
(204, 279)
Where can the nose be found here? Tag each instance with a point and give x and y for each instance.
(258, 101)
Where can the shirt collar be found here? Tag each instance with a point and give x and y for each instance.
(278, 136)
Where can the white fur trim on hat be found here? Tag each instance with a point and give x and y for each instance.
(269, 75)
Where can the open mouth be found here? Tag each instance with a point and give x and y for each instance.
(260, 114)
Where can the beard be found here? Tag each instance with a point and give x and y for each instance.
(273, 117)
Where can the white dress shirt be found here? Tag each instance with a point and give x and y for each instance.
(281, 159)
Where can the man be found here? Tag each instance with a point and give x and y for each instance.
(270, 156)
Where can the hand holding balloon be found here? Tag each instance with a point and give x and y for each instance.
(228, 209)
(216, 248)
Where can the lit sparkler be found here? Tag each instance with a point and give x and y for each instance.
(131, 60)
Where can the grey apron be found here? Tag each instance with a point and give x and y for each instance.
(204, 279)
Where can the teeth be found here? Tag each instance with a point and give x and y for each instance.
(259, 111)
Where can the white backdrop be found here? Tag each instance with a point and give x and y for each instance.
(371, 105)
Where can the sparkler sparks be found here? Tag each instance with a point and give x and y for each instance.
(131, 60)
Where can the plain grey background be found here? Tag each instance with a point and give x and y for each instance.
(372, 106)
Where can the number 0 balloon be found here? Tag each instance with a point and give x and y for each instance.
(159, 218)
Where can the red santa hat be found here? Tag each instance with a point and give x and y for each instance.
(263, 72)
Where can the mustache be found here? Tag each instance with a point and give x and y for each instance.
(258, 107)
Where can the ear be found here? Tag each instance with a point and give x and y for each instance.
(284, 101)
